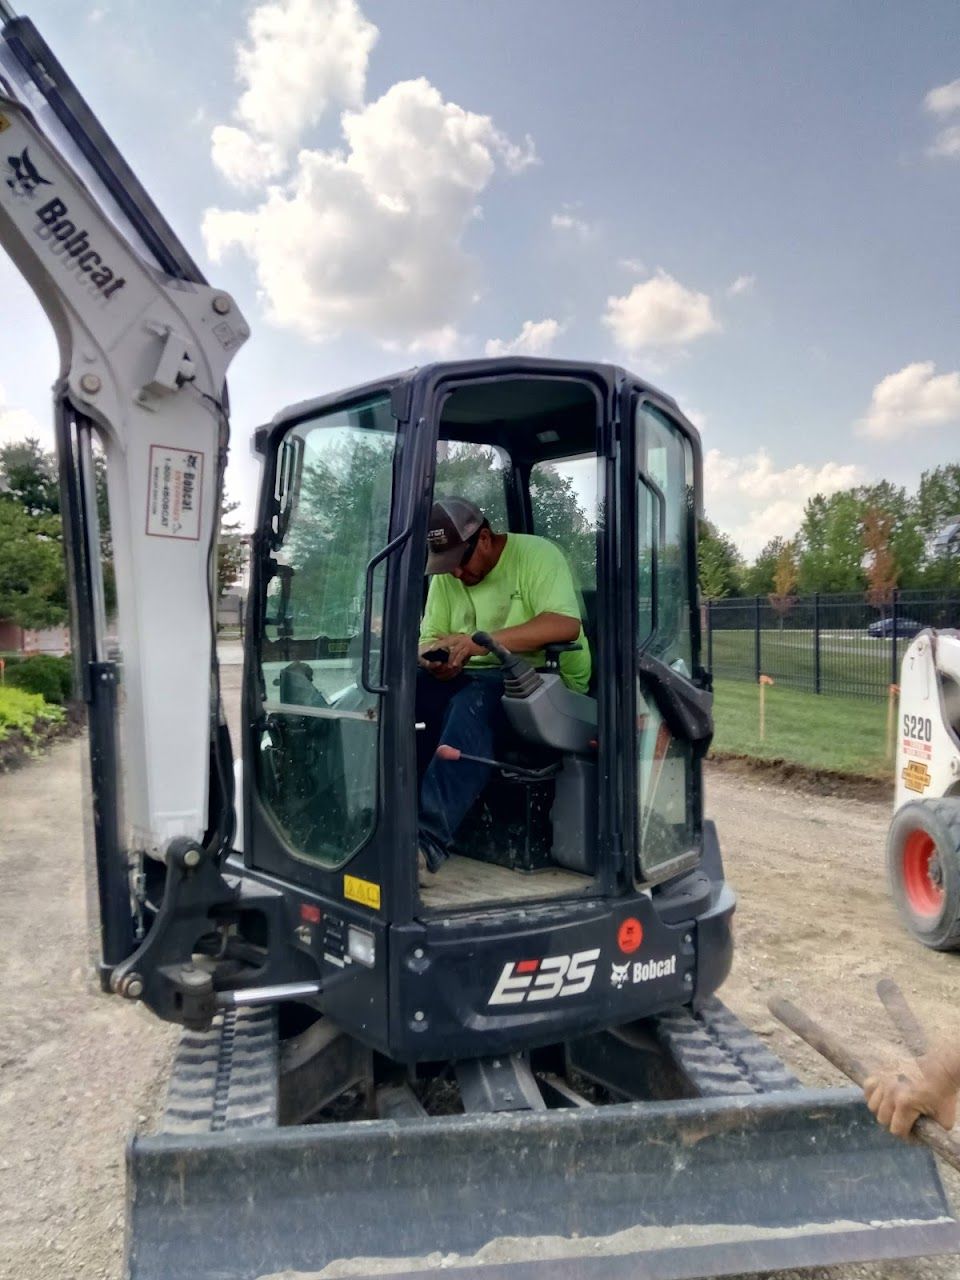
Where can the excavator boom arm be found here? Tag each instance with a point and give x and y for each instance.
(144, 348)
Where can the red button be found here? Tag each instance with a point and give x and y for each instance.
(309, 913)
(629, 935)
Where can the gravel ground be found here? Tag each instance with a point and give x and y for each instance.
(80, 1071)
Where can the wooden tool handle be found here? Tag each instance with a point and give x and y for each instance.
(903, 1017)
(827, 1044)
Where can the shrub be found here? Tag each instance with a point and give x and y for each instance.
(22, 712)
(44, 674)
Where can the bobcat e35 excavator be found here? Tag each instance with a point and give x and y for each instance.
(519, 1070)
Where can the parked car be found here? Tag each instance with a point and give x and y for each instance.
(906, 627)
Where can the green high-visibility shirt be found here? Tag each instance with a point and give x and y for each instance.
(531, 577)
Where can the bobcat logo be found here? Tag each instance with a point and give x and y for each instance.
(26, 177)
(619, 975)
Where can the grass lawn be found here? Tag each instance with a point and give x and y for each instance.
(840, 734)
(851, 662)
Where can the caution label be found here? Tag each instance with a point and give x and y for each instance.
(363, 891)
(916, 776)
(174, 493)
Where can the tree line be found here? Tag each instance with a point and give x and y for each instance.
(871, 539)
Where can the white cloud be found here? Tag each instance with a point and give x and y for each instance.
(368, 238)
(659, 312)
(742, 284)
(635, 265)
(946, 143)
(755, 501)
(535, 338)
(914, 397)
(301, 57)
(17, 424)
(944, 99)
(570, 222)
(244, 160)
(439, 344)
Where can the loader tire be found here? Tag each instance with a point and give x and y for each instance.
(923, 865)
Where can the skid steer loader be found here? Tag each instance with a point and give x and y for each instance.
(923, 843)
(521, 1069)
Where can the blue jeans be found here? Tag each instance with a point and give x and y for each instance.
(463, 713)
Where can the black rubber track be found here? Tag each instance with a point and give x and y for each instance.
(719, 1055)
(225, 1078)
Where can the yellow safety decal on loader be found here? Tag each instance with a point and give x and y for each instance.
(916, 776)
(363, 891)
(4, 122)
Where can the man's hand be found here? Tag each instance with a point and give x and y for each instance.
(439, 670)
(460, 650)
(925, 1087)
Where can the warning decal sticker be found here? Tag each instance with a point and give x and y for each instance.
(173, 493)
(363, 891)
(916, 777)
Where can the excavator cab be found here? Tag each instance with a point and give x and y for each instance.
(591, 827)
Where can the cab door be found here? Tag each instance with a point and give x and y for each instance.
(328, 702)
(661, 500)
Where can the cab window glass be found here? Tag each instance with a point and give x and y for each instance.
(563, 499)
(665, 594)
(476, 472)
(319, 730)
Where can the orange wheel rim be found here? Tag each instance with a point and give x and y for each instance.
(922, 875)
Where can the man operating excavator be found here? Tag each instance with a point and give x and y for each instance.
(519, 589)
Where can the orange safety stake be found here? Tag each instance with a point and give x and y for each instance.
(763, 682)
(892, 694)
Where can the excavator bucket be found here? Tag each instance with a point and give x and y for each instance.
(658, 1190)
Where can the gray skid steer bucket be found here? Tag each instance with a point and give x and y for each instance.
(650, 1191)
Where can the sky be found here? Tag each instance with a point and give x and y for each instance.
(753, 205)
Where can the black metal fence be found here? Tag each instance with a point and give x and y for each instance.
(821, 643)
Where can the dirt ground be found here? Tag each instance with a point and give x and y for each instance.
(80, 1071)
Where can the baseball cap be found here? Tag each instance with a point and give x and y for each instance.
(453, 522)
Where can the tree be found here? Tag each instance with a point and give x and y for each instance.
(719, 563)
(29, 478)
(904, 542)
(879, 562)
(30, 473)
(758, 578)
(33, 586)
(831, 551)
(231, 549)
(785, 573)
(937, 501)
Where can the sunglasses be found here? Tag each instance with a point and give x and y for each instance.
(471, 548)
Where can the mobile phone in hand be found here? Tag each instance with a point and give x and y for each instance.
(436, 655)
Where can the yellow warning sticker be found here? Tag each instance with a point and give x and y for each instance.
(4, 122)
(916, 776)
(363, 891)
